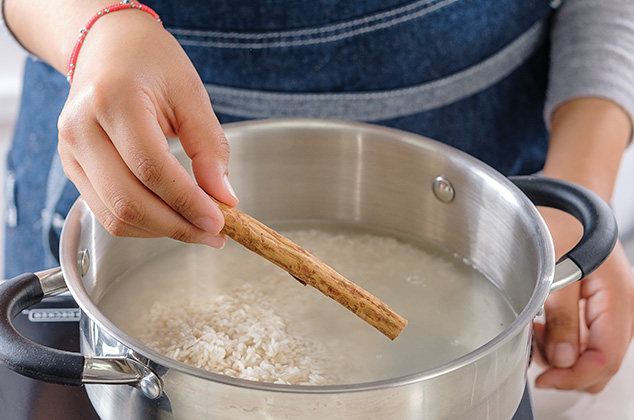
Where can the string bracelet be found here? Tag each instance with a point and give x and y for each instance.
(125, 4)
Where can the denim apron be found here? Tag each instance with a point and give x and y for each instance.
(470, 73)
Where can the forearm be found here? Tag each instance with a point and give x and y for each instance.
(588, 138)
(49, 29)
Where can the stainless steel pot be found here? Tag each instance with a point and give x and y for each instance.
(344, 172)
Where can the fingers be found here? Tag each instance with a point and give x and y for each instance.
(607, 326)
(141, 143)
(561, 334)
(107, 219)
(204, 142)
(558, 340)
(591, 365)
(119, 198)
(112, 136)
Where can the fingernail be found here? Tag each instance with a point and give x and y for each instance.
(210, 225)
(225, 180)
(564, 355)
(215, 241)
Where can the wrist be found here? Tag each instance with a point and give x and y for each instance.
(588, 139)
(114, 55)
(50, 29)
(102, 13)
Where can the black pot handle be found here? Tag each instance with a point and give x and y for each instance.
(36, 361)
(600, 231)
(23, 355)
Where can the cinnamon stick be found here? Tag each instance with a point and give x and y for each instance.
(309, 270)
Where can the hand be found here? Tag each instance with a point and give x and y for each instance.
(131, 90)
(588, 328)
(590, 323)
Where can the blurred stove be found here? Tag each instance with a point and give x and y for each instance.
(54, 323)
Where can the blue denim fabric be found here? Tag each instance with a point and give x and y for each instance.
(381, 47)
(379, 50)
(29, 232)
(330, 49)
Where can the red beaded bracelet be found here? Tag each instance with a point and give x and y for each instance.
(125, 4)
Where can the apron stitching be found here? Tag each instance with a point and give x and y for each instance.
(277, 39)
(380, 105)
(308, 31)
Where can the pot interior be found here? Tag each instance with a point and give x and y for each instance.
(359, 179)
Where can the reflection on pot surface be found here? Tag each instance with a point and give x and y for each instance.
(232, 312)
(348, 174)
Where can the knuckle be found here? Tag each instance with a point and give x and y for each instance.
(224, 153)
(148, 172)
(67, 129)
(224, 150)
(560, 321)
(103, 99)
(183, 202)
(113, 225)
(126, 210)
(183, 234)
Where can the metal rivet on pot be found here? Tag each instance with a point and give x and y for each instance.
(151, 387)
(443, 189)
(83, 260)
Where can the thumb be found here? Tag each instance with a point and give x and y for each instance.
(210, 157)
(561, 334)
(203, 140)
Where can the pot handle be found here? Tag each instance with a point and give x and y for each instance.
(46, 364)
(600, 231)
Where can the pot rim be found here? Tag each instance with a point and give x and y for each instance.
(523, 320)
